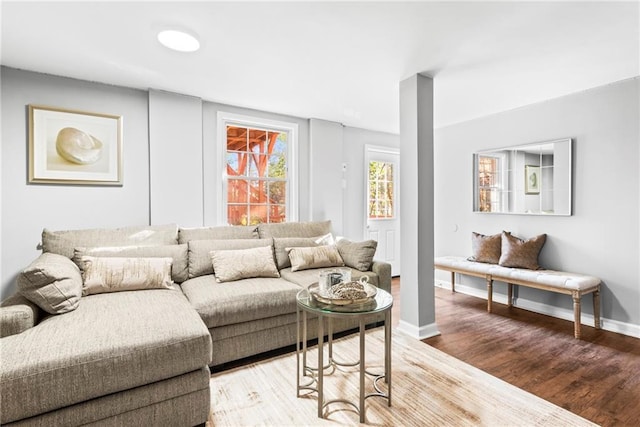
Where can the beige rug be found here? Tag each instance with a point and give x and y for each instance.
(430, 388)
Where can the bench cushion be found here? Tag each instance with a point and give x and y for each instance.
(558, 279)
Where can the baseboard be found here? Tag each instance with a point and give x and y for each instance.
(419, 333)
(549, 310)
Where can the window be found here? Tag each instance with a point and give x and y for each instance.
(258, 179)
(380, 186)
(489, 183)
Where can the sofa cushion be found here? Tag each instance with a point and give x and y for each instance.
(358, 255)
(17, 314)
(280, 245)
(112, 342)
(64, 242)
(315, 257)
(218, 233)
(294, 229)
(486, 248)
(179, 254)
(305, 278)
(521, 253)
(230, 265)
(53, 282)
(244, 300)
(115, 274)
(200, 263)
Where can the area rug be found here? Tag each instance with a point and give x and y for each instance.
(429, 388)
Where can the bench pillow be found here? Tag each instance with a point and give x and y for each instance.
(486, 249)
(521, 253)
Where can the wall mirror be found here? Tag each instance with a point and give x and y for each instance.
(531, 179)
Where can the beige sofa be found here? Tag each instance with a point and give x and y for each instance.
(142, 356)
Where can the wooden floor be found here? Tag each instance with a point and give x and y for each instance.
(596, 377)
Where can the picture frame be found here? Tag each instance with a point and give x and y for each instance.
(531, 179)
(74, 147)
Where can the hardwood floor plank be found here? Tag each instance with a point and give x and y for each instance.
(597, 377)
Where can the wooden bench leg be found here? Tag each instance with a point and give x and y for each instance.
(489, 293)
(596, 308)
(576, 315)
(509, 294)
(453, 282)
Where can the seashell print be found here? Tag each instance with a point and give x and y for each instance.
(78, 147)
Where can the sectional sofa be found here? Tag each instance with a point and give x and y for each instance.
(84, 343)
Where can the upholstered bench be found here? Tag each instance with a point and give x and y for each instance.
(562, 282)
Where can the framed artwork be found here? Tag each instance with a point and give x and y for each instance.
(74, 147)
(531, 179)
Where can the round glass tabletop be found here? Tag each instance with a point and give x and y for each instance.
(381, 302)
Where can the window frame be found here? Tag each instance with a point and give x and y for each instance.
(225, 119)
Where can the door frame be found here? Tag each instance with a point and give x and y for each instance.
(368, 149)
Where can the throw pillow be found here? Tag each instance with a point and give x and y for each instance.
(314, 257)
(230, 265)
(486, 248)
(521, 253)
(200, 252)
(53, 282)
(281, 244)
(179, 267)
(105, 274)
(358, 255)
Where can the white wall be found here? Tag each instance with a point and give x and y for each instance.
(27, 209)
(175, 153)
(353, 153)
(325, 165)
(601, 238)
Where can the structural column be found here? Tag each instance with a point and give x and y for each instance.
(417, 311)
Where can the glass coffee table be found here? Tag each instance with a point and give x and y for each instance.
(381, 303)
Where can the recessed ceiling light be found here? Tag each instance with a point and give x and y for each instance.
(178, 40)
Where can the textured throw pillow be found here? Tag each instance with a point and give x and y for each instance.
(358, 255)
(105, 274)
(53, 282)
(486, 248)
(314, 257)
(200, 252)
(521, 253)
(230, 265)
(281, 244)
(179, 267)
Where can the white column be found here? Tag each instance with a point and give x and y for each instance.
(417, 312)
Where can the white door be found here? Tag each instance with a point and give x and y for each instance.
(383, 203)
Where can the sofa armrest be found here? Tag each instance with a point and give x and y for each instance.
(383, 270)
(17, 314)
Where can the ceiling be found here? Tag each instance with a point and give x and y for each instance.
(334, 60)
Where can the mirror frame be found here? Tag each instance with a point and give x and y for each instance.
(510, 177)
